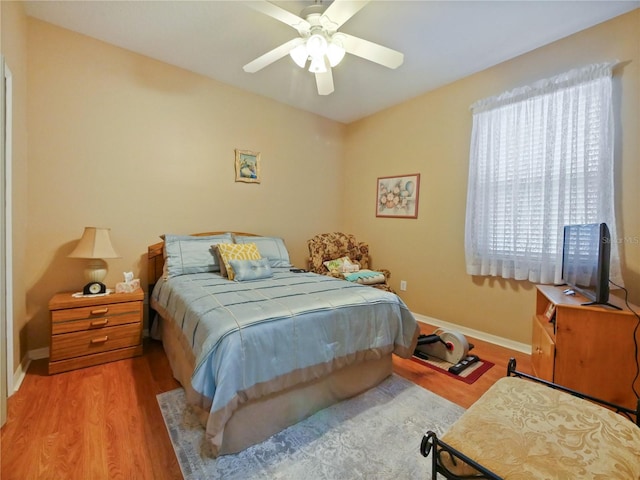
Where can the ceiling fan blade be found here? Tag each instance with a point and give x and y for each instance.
(273, 55)
(339, 12)
(280, 14)
(324, 81)
(372, 51)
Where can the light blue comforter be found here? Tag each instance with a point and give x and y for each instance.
(246, 334)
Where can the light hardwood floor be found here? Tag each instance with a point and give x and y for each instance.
(104, 421)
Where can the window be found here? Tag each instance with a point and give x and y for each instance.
(541, 157)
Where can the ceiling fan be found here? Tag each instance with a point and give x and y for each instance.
(319, 42)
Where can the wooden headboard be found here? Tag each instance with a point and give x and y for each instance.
(155, 255)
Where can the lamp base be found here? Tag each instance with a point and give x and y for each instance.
(94, 288)
(96, 270)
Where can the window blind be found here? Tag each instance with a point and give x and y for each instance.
(541, 157)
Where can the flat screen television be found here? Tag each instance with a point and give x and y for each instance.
(586, 251)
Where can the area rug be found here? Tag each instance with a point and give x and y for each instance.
(468, 375)
(375, 435)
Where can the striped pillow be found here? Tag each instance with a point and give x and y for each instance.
(237, 251)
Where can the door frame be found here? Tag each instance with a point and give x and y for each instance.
(6, 264)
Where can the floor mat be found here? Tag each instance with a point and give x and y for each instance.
(468, 375)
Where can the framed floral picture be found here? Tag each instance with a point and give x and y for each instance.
(397, 197)
(247, 166)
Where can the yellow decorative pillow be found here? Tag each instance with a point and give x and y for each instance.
(237, 251)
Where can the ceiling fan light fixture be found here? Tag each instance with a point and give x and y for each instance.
(317, 65)
(319, 41)
(300, 55)
(316, 46)
(335, 53)
(335, 49)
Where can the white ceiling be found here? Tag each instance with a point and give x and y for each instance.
(442, 41)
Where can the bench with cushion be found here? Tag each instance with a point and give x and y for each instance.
(536, 429)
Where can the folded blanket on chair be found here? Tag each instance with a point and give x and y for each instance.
(366, 277)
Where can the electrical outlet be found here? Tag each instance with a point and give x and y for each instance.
(403, 285)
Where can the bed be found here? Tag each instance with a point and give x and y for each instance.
(268, 348)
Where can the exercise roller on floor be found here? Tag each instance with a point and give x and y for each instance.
(452, 347)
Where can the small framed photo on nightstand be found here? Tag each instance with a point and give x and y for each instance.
(550, 312)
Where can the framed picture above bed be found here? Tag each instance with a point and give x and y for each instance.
(247, 166)
(397, 197)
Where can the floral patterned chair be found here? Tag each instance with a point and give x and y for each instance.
(331, 246)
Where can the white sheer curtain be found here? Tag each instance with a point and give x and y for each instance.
(541, 157)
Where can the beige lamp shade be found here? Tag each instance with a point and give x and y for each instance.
(95, 244)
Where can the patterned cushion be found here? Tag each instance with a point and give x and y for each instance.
(250, 269)
(237, 251)
(185, 254)
(522, 429)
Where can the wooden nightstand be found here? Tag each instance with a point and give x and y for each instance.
(591, 349)
(89, 331)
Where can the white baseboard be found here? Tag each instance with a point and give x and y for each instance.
(19, 374)
(36, 354)
(39, 353)
(486, 337)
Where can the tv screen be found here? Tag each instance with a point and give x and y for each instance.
(585, 260)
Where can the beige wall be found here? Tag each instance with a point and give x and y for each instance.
(14, 48)
(430, 135)
(122, 141)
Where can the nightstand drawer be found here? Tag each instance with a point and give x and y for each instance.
(89, 342)
(95, 311)
(88, 331)
(94, 323)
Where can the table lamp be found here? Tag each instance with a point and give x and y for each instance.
(95, 245)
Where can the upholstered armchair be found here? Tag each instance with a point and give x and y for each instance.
(331, 246)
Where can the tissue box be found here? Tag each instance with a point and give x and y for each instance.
(128, 287)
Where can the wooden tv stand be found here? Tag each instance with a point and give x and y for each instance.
(586, 348)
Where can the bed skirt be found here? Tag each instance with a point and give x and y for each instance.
(256, 420)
